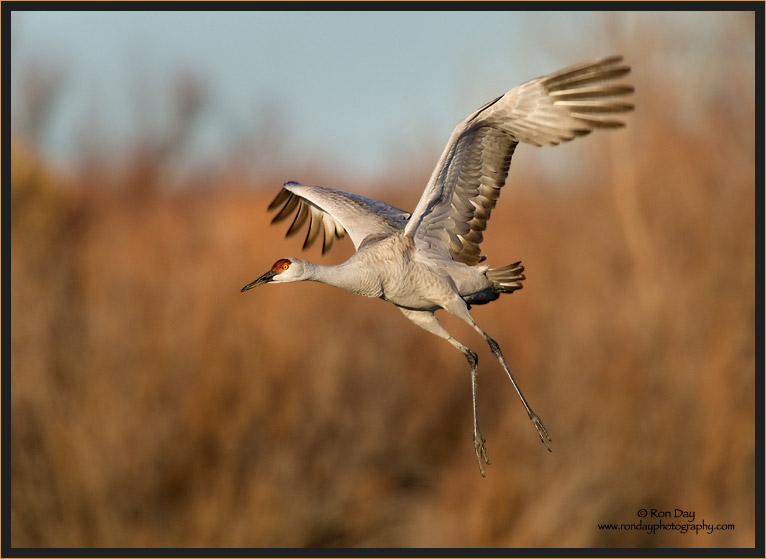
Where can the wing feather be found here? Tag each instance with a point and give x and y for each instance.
(300, 219)
(456, 205)
(334, 213)
(315, 226)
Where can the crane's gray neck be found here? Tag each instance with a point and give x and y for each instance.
(350, 275)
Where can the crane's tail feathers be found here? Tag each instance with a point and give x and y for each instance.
(508, 278)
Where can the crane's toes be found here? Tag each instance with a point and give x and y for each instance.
(542, 431)
(481, 451)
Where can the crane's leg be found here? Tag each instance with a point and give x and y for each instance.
(428, 321)
(460, 309)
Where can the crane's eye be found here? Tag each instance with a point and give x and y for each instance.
(281, 265)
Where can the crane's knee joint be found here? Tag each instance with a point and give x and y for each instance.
(493, 345)
(473, 359)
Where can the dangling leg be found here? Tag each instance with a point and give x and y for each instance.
(460, 310)
(427, 321)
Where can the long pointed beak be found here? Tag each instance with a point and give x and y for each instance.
(265, 278)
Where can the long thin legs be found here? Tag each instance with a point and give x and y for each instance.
(461, 311)
(429, 322)
(541, 430)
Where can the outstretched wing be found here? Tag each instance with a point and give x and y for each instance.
(453, 211)
(335, 213)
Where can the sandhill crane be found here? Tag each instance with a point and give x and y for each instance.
(430, 259)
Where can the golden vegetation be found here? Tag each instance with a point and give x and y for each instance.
(153, 404)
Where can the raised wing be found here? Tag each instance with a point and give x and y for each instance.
(453, 211)
(335, 212)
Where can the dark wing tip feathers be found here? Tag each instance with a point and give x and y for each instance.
(281, 198)
(305, 213)
(589, 95)
(584, 90)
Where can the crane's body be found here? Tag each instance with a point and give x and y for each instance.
(391, 269)
(430, 259)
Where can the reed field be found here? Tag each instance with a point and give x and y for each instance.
(153, 404)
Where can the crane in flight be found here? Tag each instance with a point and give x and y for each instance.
(430, 259)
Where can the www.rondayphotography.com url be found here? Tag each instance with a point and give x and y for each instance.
(652, 521)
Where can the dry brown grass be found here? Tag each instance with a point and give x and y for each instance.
(153, 404)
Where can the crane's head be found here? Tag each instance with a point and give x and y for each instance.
(284, 270)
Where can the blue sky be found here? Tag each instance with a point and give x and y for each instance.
(354, 90)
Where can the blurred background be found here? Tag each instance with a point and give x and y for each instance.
(153, 404)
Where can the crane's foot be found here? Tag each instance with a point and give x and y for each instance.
(541, 430)
(481, 451)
